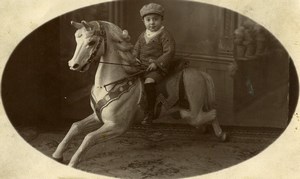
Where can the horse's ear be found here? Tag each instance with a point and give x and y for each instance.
(77, 25)
(125, 35)
(86, 25)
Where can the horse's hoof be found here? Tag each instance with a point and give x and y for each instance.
(72, 164)
(60, 160)
(223, 137)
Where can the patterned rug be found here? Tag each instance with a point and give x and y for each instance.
(160, 151)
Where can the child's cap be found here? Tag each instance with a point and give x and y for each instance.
(152, 8)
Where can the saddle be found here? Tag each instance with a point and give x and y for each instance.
(170, 92)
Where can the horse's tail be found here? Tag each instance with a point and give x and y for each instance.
(210, 100)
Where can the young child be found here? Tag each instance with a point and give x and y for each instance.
(154, 48)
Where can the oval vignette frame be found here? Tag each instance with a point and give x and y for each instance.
(289, 128)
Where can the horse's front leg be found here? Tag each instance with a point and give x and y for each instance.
(87, 124)
(106, 132)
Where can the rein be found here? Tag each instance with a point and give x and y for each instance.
(120, 64)
(123, 79)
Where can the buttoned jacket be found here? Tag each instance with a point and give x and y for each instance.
(160, 49)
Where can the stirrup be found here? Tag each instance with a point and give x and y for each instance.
(145, 122)
(148, 119)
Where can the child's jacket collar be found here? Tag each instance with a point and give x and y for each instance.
(149, 35)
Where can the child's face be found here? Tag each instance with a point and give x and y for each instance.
(153, 22)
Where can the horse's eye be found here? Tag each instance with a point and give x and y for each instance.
(78, 35)
(91, 43)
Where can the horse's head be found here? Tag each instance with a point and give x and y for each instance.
(90, 38)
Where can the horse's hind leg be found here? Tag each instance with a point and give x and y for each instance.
(210, 118)
(106, 132)
(196, 88)
(87, 124)
(198, 118)
(218, 131)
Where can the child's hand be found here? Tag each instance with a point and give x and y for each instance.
(152, 67)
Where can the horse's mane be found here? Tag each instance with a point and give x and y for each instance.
(121, 40)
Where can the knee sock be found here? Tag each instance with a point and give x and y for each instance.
(151, 96)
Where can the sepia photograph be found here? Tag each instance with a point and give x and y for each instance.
(150, 89)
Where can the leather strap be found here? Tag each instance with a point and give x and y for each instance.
(111, 96)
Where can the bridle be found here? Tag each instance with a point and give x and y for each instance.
(102, 33)
(103, 38)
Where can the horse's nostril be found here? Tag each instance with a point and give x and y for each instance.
(75, 66)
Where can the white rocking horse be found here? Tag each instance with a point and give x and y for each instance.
(117, 89)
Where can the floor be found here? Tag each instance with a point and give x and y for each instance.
(161, 150)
